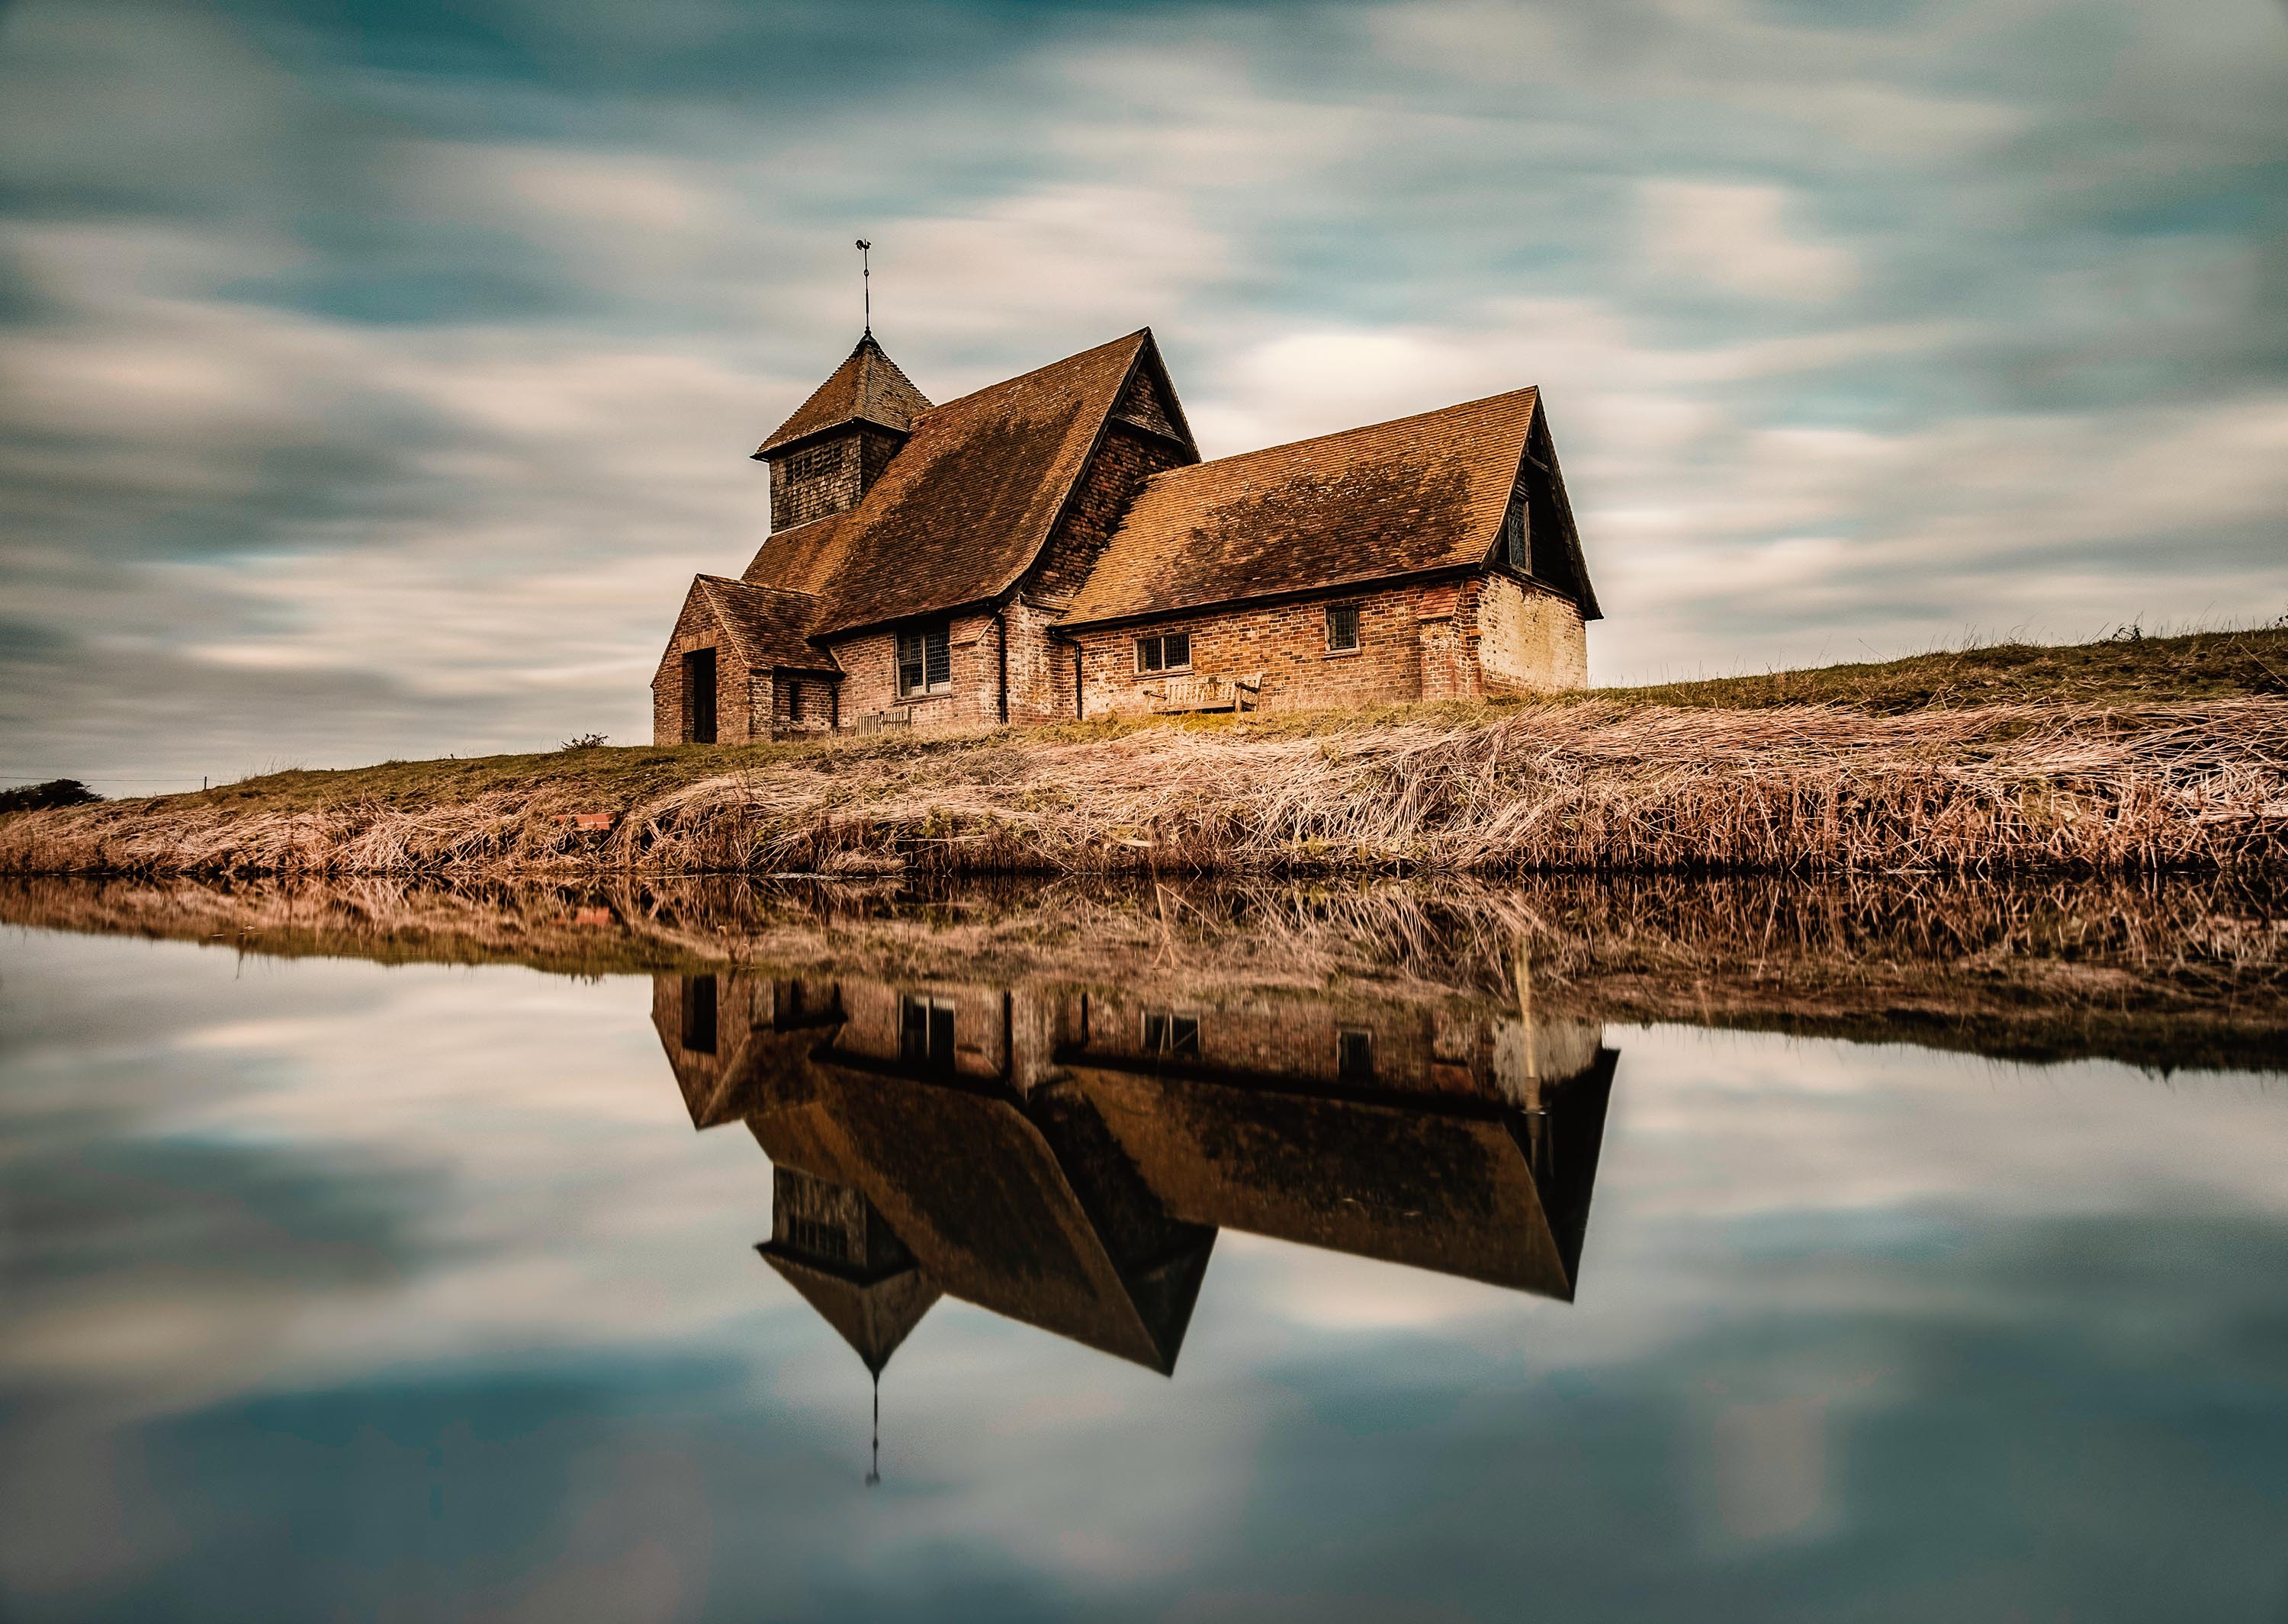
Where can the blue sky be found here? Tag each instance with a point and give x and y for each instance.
(373, 377)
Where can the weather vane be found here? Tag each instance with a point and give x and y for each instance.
(866, 280)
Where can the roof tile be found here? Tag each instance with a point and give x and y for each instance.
(1395, 498)
(869, 387)
(965, 506)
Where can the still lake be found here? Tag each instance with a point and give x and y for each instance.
(341, 1289)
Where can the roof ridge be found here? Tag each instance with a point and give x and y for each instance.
(1094, 349)
(1363, 428)
(754, 586)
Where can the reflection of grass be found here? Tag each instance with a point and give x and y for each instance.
(2162, 974)
(2156, 753)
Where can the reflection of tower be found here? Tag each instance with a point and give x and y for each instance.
(832, 1245)
(829, 1244)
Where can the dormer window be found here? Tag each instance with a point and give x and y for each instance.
(925, 662)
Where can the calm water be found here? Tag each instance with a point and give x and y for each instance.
(339, 1291)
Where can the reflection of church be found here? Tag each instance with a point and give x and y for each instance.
(1065, 1158)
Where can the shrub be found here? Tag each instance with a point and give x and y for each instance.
(55, 792)
(582, 741)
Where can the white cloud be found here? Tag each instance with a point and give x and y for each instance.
(1743, 239)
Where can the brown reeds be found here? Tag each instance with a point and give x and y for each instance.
(2164, 973)
(1557, 787)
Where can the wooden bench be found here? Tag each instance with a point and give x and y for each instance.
(1183, 694)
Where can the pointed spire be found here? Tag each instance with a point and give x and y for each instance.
(867, 388)
(874, 1461)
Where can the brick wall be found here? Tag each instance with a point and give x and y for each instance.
(1447, 640)
(742, 698)
(1286, 643)
(1040, 667)
(1040, 673)
(876, 1014)
(800, 704)
(1481, 1053)
(1100, 499)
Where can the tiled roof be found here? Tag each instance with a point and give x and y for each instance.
(1395, 498)
(869, 387)
(770, 628)
(964, 507)
(799, 559)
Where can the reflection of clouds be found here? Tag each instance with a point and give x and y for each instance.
(1851, 1318)
(1830, 1127)
(1765, 1475)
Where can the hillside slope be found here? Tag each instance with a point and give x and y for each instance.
(2163, 753)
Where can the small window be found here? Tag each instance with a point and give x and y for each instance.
(1177, 1036)
(1342, 628)
(926, 1032)
(1515, 541)
(925, 662)
(1172, 652)
(816, 1237)
(1354, 1056)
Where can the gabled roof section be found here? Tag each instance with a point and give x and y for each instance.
(869, 387)
(799, 559)
(964, 508)
(1418, 494)
(1557, 546)
(770, 628)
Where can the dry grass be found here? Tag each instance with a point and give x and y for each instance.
(2146, 754)
(1554, 786)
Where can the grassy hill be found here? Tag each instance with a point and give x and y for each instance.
(2143, 753)
(2142, 672)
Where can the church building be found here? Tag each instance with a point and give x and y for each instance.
(1053, 547)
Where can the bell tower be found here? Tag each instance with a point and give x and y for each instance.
(826, 457)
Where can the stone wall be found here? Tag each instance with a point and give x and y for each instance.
(1529, 638)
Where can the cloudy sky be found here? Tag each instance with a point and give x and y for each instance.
(374, 375)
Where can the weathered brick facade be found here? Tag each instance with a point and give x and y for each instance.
(1059, 516)
(742, 696)
(1121, 463)
(1414, 642)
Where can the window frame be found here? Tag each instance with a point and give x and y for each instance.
(1159, 641)
(1353, 1041)
(1171, 1034)
(921, 638)
(938, 1030)
(1358, 629)
(1517, 531)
